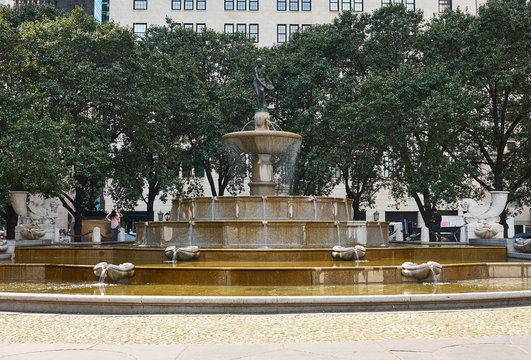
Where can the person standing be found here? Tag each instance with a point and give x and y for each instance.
(435, 221)
(114, 217)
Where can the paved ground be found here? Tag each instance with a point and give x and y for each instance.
(497, 334)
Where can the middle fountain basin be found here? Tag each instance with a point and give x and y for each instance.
(262, 234)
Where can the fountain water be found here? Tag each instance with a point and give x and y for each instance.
(103, 275)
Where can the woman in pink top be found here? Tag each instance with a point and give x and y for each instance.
(114, 217)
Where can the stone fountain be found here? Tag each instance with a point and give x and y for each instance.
(262, 220)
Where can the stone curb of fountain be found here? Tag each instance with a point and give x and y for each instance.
(125, 304)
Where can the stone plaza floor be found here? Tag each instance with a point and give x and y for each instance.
(500, 333)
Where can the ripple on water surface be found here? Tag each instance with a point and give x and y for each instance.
(95, 288)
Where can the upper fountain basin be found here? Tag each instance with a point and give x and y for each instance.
(261, 142)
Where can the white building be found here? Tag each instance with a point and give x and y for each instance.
(266, 22)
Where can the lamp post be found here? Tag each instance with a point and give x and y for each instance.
(160, 214)
(376, 215)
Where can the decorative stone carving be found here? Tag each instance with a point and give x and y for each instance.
(31, 232)
(32, 212)
(523, 245)
(182, 254)
(3, 246)
(483, 218)
(37, 218)
(114, 272)
(348, 253)
(421, 271)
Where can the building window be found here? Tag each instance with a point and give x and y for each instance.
(358, 5)
(188, 4)
(189, 26)
(241, 28)
(281, 5)
(345, 5)
(396, 2)
(241, 4)
(386, 3)
(229, 28)
(388, 167)
(293, 5)
(293, 28)
(200, 28)
(306, 5)
(200, 5)
(281, 33)
(253, 32)
(139, 29)
(334, 5)
(229, 4)
(445, 5)
(139, 4)
(253, 5)
(305, 27)
(410, 5)
(176, 4)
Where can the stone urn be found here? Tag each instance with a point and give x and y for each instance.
(19, 200)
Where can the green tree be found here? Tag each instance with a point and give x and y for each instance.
(319, 72)
(491, 53)
(73, 65)
(29, 145)
(422, 111)
(220, 77)
(151, 150)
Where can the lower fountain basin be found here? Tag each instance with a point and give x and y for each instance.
(259, 281)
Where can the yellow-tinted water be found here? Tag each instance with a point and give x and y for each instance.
(95, 288)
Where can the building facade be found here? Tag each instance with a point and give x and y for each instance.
(266, 22)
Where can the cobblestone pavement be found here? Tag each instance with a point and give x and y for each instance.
(262, 329)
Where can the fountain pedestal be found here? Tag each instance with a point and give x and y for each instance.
(261, 182)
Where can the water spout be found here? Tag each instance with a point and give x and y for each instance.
(346, 209)
(265, 234)
(264, 209)
(290, 209)
(179, 209)
(144, 236)
(190, 233)
(103, 275)
(213, 208)
(433, 273)
(312, 198)
(338, 233)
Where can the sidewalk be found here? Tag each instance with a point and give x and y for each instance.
(496, 334)
(495, 348)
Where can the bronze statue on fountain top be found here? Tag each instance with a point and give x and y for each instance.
(261, 83)
(262, 142)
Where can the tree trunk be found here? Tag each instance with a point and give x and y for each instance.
(11, 222)
(356, 209)
(78, 214)
(150, 202)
